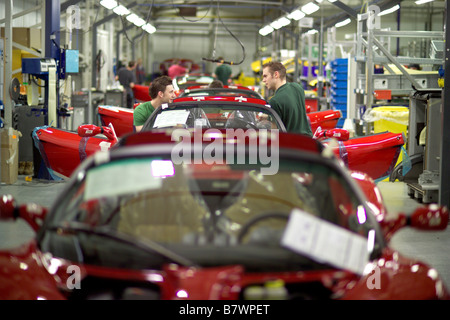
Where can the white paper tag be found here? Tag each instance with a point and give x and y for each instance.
(325, 242)
(171, 118)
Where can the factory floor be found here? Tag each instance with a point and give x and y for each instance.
(431, 248)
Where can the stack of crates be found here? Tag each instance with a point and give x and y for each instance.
(338, 87)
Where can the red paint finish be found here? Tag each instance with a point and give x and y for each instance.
(65, 150)
(374, 154)
(120, 118)
(28, 274)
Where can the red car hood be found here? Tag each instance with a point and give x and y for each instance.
(26, 273)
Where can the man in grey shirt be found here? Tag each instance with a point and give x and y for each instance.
(127, 79)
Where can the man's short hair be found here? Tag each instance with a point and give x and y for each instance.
(276, 66)
(159, 84)
(131, 63)
(216, 84)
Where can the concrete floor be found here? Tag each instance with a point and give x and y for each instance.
(429, 247)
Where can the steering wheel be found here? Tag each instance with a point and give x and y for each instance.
(263, 216)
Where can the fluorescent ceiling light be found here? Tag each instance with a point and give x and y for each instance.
(423, 1)
(266, 30)
(343, 23)
(121, 10)
(310, 7)
(332, 1)
(393, 9)
(149, 28)
(313, 31)
(280, 23)
(109, 4)
(296, 15)
(133, 18)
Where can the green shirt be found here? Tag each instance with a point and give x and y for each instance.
(142, 113)
(289, 102)
(223, 73)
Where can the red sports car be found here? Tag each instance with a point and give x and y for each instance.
(216, 217)
(62, 151)
(122, 118)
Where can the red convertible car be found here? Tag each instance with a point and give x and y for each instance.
(62, 151)
(139, 222)
(122, 118)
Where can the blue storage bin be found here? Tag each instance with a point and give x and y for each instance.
(340, 62)
(338, 92)
(339, 100)
(339, 76)
(339, 84)
(339, 106)
(340, 69)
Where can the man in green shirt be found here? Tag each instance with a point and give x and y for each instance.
(222, 72)
(288, 100)
(161, 91)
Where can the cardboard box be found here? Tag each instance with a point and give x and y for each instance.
(9, 157)
(30, 38)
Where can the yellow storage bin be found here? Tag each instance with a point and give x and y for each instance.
(392, 119)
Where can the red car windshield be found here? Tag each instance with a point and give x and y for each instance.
(213, 115)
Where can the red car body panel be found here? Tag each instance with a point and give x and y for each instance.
(28, 273)
(24, 266)
(141, 92)
(34, 276)
(122, 118)
(62, 151)
(374, 154)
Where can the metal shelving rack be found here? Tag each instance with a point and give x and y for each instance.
(371, 50)
(424, 95)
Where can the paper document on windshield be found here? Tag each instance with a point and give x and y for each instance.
(325, 242)
(171, 118)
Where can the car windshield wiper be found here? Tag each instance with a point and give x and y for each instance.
(105, 232)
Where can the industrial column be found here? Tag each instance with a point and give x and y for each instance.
(444, 190)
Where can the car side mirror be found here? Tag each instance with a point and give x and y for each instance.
(33, 214)
(336, 133)
(431, 217)
(91, 130)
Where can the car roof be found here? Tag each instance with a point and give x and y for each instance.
(225, 91)
(223, 99)
(205, 86)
